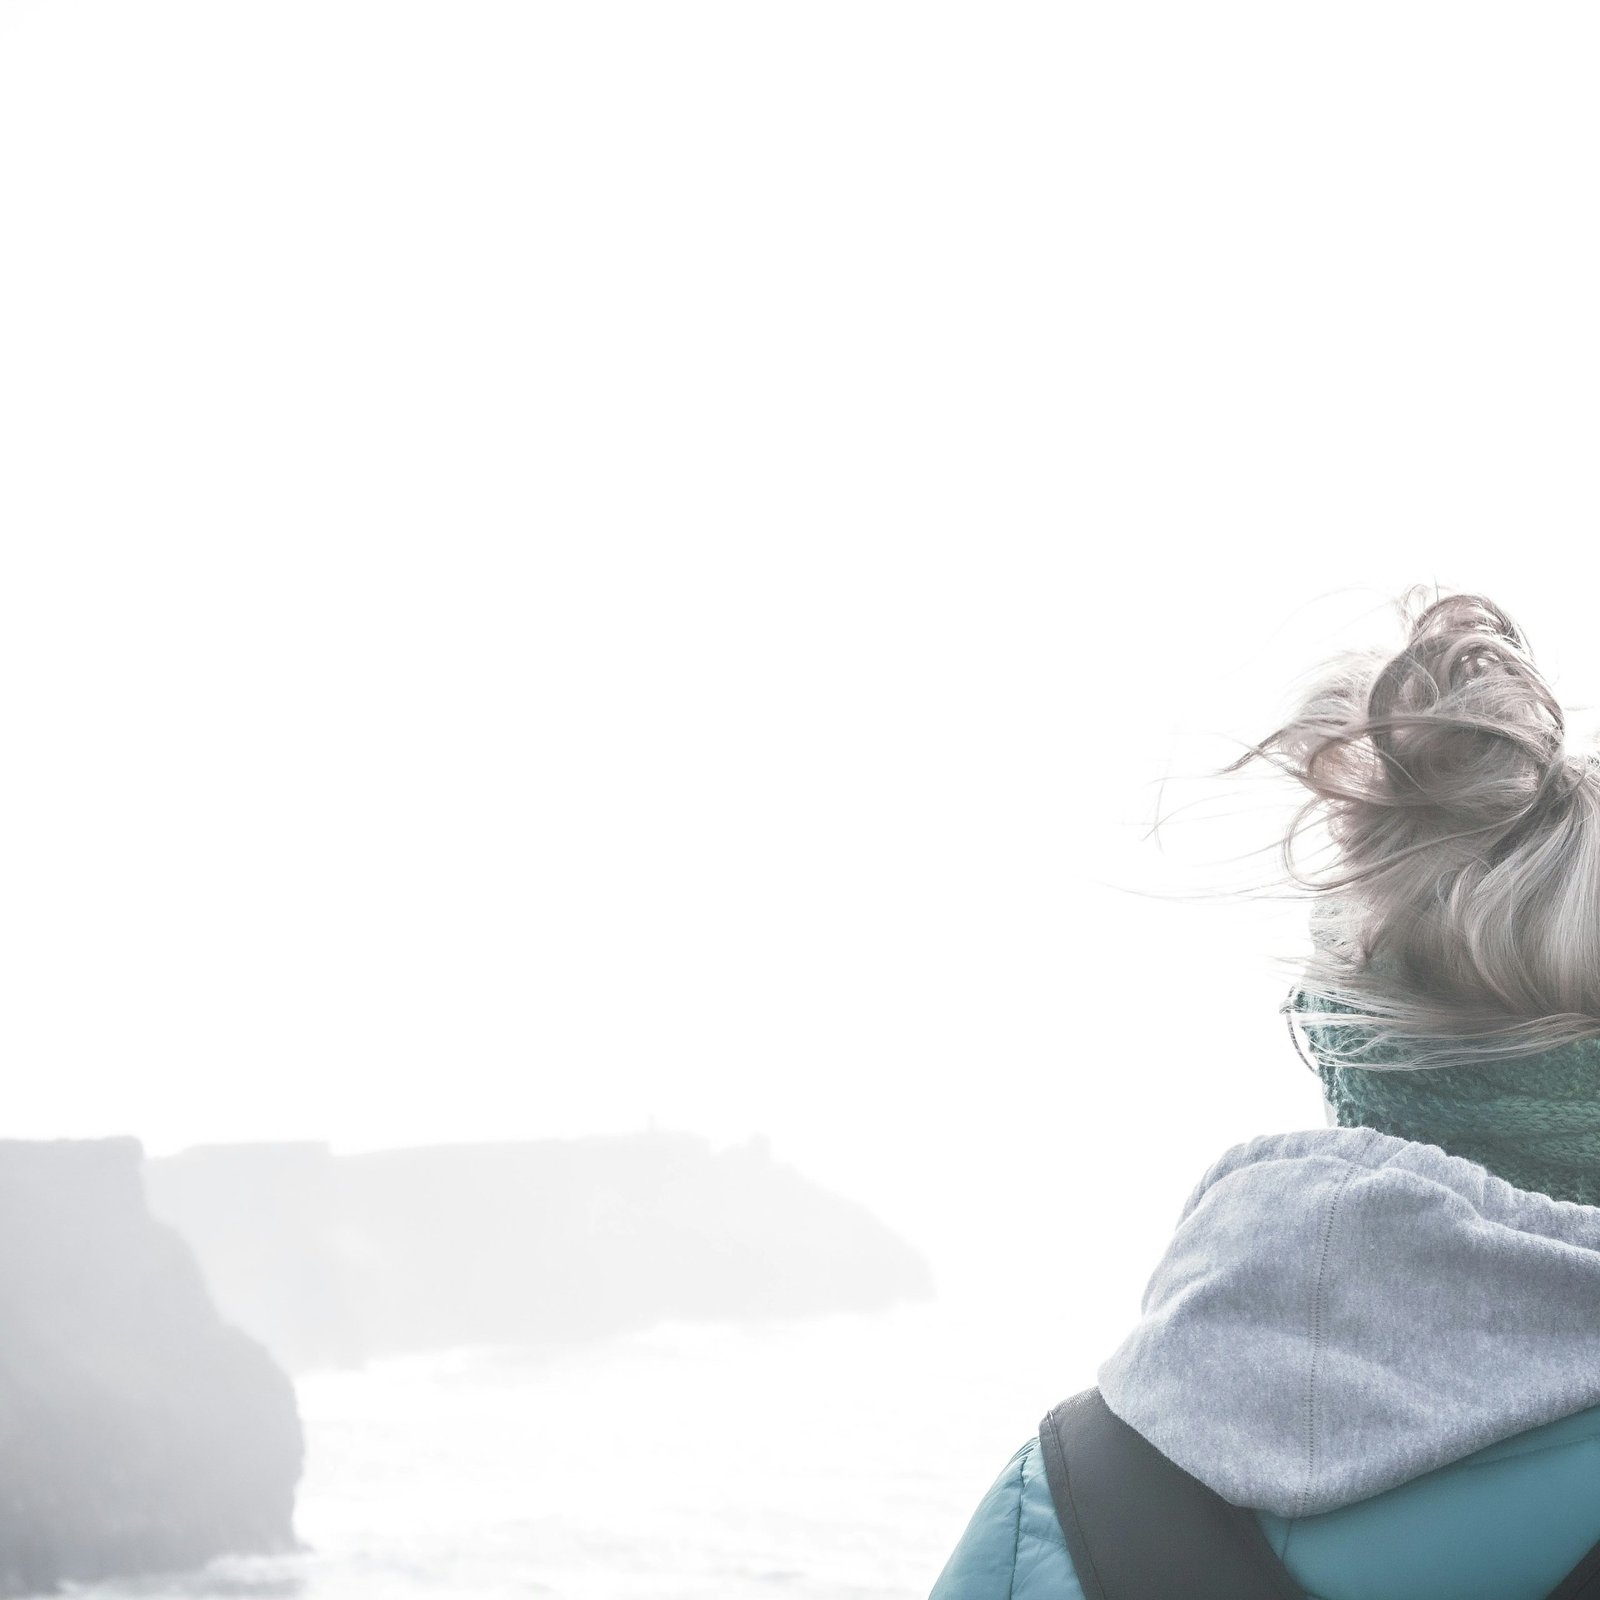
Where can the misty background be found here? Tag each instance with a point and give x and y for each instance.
(581, 569)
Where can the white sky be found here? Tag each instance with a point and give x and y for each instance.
(572, 563)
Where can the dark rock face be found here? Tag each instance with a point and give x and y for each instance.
(138, 1433)
(326, 1258)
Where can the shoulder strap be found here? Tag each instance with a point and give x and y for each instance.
(1141, 1528)
(1583, 1582)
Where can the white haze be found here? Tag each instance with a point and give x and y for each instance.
(576, 564)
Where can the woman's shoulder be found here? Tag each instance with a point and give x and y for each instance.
(1506, 1521)
(1013, 1548)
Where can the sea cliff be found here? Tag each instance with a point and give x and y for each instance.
(138, 1432)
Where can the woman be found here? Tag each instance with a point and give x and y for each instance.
(1381, 1339)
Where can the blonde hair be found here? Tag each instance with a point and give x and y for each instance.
(1461, 919)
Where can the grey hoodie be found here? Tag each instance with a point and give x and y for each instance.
(1340, 1311)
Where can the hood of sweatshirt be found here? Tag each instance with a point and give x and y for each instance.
(1340, 1311)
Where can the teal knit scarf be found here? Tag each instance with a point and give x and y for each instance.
(1533, 1120)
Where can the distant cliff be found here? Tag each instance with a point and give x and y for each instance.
(329, 1258)
(138, 1432)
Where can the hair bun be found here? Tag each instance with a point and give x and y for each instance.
(1460, 721)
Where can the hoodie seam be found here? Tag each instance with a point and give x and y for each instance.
(1319, 1296)
(1016, 1528)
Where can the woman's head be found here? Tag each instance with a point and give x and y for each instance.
(1459, 920)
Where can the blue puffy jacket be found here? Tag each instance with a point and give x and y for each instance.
(1388, 1353)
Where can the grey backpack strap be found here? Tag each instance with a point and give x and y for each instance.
(1141, 1528)
(1583, 1582)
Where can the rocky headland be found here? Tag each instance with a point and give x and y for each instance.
(329, 1259)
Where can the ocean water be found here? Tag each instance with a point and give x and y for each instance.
(837, 1457)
